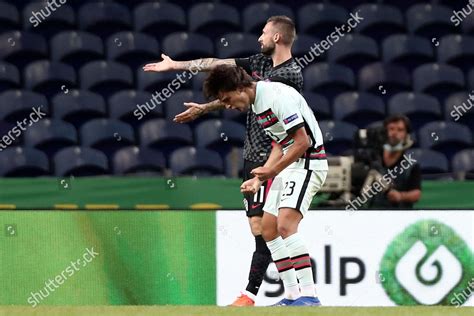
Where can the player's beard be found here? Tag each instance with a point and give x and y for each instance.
(268, 50)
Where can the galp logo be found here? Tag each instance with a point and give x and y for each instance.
(428, 263)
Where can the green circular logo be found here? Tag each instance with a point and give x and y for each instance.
(428, 264)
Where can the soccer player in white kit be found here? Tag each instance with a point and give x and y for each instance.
(297, 163)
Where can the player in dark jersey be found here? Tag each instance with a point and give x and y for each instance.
(274, 63)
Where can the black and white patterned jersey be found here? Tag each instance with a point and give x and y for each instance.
(257, 145)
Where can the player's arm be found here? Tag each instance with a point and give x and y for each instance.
(201, 64)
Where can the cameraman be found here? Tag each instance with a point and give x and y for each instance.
(404, 186)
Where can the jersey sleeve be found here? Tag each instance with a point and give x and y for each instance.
(249, 64)
(288, 112)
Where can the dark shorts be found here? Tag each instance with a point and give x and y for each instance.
(254, 202)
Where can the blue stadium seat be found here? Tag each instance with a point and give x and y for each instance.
(164, 135)
(139, 161)
(38, 18)
(234, 163)
(154, 82)
(23, 162)
(5, 128)
(403, 5)
(213, 19)
(159, 18)
(354, 51)
(123, 104)
(105, 77)
(104, 18)
(328, 79)
(439, 80)
(379, 20)
(9, 17)
(219, 135)
(9, 77)
(80, 162)
(445, 137)
(174, 105)
(433, 164)
(187, 46)
(408, 51)
(133, 49)
(107, 135)
(359, 109)
(78, 107)
(197, 162)
(420, 108)
(76, 48)
(320, 19)
(378, 78)
(338, 136)
(49, 78)
(17, 105)
(302, 46)
(430, 20)
(237, 45)
(470, 78)
(319, 104)
(350, 4)
(255, 16)
(234, 115)
(459, 107)
(50, 136)
(198, 81)
(467, 24)
(21, 48)
(458, 51)
(463, 164)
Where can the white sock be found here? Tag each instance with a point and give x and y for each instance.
(281, 257)
(302, 264)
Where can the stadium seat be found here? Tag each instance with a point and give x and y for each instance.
(17, 105)
(164, 135)
(76, 48)
(320, 19)
(438, 80)
(23, 162)
(132, 49)
(463, 164)
(359, 109)
(459, 107)
(354, 51)
(420, 108)
(338, 136)
(302, 46)
(198, 81)
(104, 18)
(5, 128)
(22, 48)
(139, 161)
(80, 162)
(408, 51)
(319, 104)
(107, 135)
(154, 82)
(403, 5)
(187, 46)
(105, 77)
(196, 162)
(234, 115)
(219, 135)
(445, 137)
(255, 16)
(9, 17)
(174, 105)
(234, 163)
(457, 50)
(467, 24)
(379, 20)
(9, 77)
(470, 78)
(349, 4)
(159, 18)
(430, 20)
(328, 79)
(213, 19)
(123, 104)
(78, 107)
(49, 78)
(433, 164)
(38, 18)
(237, 45)
(50, 136)
(384, 80)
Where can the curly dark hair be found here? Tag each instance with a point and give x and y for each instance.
(225, 78)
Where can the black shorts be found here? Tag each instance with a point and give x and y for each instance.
(254, 202)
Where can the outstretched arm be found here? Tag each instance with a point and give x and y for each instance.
(201, 64)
